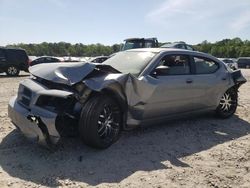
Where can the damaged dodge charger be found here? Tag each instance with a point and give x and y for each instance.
(133, 88)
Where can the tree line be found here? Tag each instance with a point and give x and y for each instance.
(233, 48)
(66, 49)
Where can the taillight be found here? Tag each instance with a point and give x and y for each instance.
(29, 61)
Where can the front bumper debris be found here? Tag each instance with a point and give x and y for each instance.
(36, 124)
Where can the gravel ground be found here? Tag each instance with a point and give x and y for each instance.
(195, 152)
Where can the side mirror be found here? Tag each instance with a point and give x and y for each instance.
(161, 70)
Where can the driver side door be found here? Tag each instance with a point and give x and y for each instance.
(174, 90)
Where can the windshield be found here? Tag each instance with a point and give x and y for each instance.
(132, 62)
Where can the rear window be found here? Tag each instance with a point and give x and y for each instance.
(17, 55)
(205, 65)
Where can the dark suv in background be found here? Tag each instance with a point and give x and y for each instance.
(13, 60)
(243, 62)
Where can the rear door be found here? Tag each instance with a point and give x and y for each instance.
(210, 80)
(2, 56)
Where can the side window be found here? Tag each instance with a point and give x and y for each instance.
(148, 44)
(173, 65)
(54, 60)
(181, 46)
(2, 56)
(189, 48)
(205, 65)
(41, 60)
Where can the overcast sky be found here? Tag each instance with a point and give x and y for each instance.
(111, 21)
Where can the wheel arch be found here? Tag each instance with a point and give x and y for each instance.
(235, 87)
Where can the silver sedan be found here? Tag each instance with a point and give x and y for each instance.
(133, 88)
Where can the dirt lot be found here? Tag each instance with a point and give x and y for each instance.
(195, 152)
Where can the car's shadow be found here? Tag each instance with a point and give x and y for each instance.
(139, 150)
(19, 76)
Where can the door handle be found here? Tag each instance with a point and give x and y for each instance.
(189, 81)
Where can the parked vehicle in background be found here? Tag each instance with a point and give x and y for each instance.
(45, 59)
(71, 59)
(180, 45)
(230, 62)
(13, 60)
(133, 88)
(99, 59)
(133, 43)
(243, 62)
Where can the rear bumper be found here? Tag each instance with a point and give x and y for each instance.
(41, 129)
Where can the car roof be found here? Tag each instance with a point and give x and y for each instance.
(158, 50)
(10, 48)
(100, 57)
(47, 57)
(131, 39)
(244, 58)
(173, 50)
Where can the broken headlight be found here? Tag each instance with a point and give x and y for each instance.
(54, 104)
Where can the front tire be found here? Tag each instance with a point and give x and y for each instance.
(100, 122)
(228, 104)
(12, 71)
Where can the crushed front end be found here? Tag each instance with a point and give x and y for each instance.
(41, 110)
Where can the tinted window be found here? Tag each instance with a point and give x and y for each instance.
(38, 61)
(55, 60)
(205, 65)
(177, 64)
(97, 60)
(2, 54)
(182, 46)
(189, 47)
(149, 44)
(104, 59)
(41, 60)
(49, 59)
(17, 55)
(244, 61)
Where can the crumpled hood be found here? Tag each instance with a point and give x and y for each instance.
(63, 73)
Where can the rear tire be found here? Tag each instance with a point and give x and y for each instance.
(100, 122)
(228, 104)
(12, 71)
